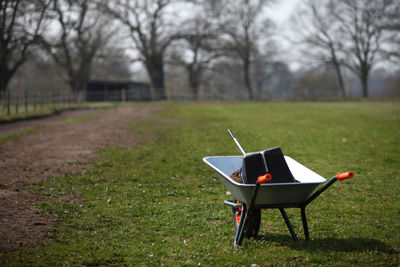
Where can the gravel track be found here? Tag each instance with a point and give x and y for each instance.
(53, 149)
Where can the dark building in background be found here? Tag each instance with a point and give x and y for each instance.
(102, 90)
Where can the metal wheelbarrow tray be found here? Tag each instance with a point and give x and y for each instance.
(250, 198)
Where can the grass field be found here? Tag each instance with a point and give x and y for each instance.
(160, 204)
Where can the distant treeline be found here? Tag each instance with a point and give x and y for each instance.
(202, 49)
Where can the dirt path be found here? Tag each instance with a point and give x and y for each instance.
(26, 124)
(50, 151)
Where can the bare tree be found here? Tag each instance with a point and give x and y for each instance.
(346, 33)
(38, 75)
(390, 24)
(82, 33)
(242, 24)
(21, 24)
(317, 31)
(112, 63)
(150, 32)
(361, 36)
(196, 50)
(316, 83)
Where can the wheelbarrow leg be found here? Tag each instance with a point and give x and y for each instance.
(240, 228)
(243, 217)
(305, 226)
(289, 225)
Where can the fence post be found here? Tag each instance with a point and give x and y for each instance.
(16, 104)
(26, 101)
(34, 100)
(8, 102)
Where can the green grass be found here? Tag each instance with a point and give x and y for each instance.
(158, 203)
(16, 135)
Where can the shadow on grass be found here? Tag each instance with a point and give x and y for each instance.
(330, 243)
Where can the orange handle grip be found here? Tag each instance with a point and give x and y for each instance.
(344, 175)
(264, 178)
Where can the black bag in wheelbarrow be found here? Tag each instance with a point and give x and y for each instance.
(269, 161)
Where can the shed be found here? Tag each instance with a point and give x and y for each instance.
(107, 90)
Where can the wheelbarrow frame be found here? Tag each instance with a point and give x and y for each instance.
(295, 195)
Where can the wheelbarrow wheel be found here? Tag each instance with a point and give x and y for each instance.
(253, 221)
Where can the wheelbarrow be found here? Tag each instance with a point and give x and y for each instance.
(249, 199)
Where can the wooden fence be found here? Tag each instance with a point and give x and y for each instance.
(15, 103)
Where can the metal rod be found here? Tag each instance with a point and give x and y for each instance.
(232, 204)
(236, 141)
(289, 225)
(304, 220)
(244, 214)
(320, 191)
(265, 162)
(276, 206)
(240, 229)
(254, 195)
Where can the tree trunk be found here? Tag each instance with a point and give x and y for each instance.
(337, 69)
(74, 87)
(5, 78)
(77, 84)
(155, 68)
(3, 85)
(340, 80)
(194, 78)
(80, 89)
(247, 82)
(364, 73)
(364, 84)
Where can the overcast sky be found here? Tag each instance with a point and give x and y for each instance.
(281, 10)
